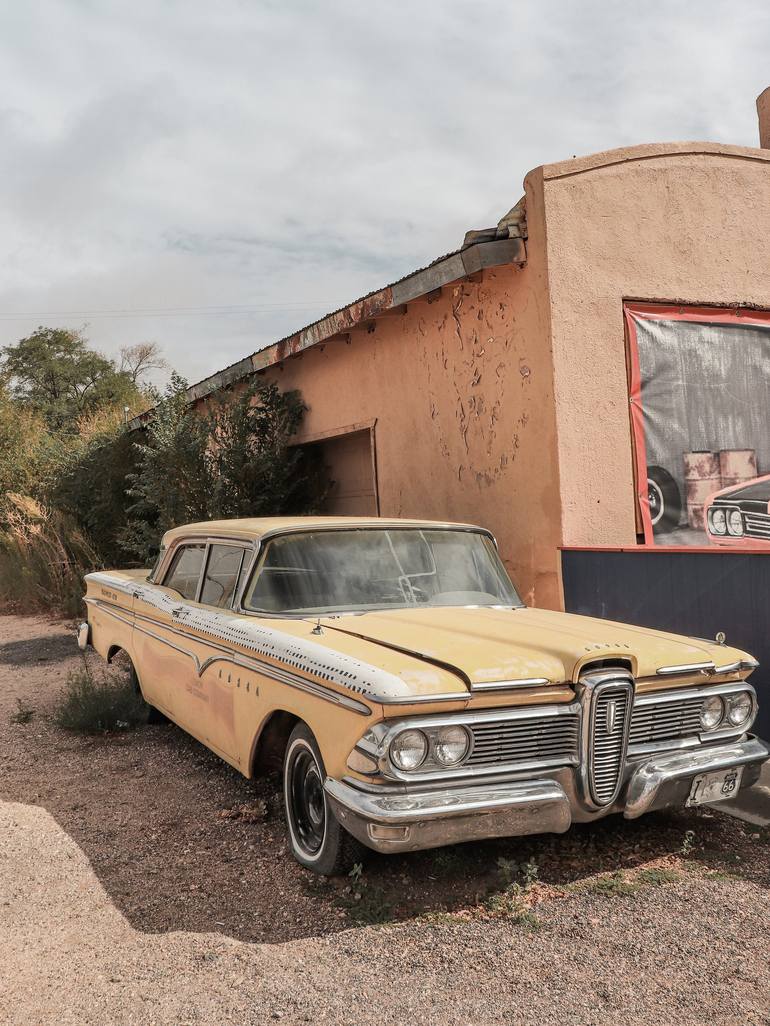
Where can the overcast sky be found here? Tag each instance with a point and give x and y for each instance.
(213, 176)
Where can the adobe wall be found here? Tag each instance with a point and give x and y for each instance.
(685, 222)
(462, 393)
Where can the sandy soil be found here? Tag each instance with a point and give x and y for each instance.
(140, 883)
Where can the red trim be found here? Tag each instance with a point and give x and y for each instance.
(637, 424)
(681, 312)
(703, 549)
(670, 312)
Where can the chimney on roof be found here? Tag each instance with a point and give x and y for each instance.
(763, 110)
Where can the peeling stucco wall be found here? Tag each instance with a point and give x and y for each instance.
(461, 389)
(683, 222)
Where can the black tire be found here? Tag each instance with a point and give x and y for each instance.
(317, 839)
(665, 500)
(153, 715)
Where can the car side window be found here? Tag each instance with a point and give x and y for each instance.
(222, 570)
(185, 570)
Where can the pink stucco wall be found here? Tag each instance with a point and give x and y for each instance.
(462, 393)
(685, 222)
(504, 402)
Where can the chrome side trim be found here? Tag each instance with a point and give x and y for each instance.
(298, 653)
(677, 695)
(728, 667)
(256, 665)
(668, 671)
(509, 685)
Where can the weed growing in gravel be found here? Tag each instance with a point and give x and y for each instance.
(23, 714)
(94, 705)
(447, 860)
(512, 902)
(614, 885)
(656, 877)
(364, 902)
(688, 843)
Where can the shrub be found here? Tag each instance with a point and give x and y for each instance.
(233, 460)
(43, 557)
(91, 485)
(94, 705)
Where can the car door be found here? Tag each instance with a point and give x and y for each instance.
(219, 681)
(204, 700)
(166, 660)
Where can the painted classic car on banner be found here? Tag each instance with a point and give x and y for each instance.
(740, 515)
(410, 697)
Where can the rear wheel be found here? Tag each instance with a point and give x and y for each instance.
(317, 839)
(153, 715)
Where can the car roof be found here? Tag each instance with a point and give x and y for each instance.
(257, 527)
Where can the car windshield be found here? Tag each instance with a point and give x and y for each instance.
(377, 568)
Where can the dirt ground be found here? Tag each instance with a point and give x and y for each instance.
(142, 880)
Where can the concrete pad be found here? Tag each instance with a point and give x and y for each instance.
(753, 804)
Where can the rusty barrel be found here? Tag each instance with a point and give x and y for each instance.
(737, 466)
(701, 479)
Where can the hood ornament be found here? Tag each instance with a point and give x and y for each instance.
(720, 638)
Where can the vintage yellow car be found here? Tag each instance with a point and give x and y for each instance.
(410, 697)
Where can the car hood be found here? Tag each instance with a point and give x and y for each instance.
(488, 645)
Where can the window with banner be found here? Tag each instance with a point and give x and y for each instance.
(700, 412)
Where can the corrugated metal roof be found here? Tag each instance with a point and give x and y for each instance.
(478, 253)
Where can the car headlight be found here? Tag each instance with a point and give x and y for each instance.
(409, 749)
(712, 712)
(739, 708)
(735, 522)
(450, 745)
(718, 521)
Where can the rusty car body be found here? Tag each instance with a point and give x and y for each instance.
(409, 695)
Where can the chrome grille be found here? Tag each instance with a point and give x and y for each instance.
(757, 525)
(551, 739)
(609, 727)
(665, 721)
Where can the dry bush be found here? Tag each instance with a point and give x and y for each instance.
(43, 557)
(95, 704)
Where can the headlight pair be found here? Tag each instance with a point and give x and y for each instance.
(728, 710)
(726, 521)
(432, 747)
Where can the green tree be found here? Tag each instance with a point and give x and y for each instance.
(29, 453)
(57, 376)
(234, 461)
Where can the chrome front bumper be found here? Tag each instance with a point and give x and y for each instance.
(408, 821)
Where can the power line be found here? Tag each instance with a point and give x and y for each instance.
(172, 311)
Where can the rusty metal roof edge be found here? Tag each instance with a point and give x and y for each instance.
(450, 268)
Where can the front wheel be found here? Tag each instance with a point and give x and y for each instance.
(665, 500)
(318, 842)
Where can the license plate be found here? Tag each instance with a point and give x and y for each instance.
(715, 787)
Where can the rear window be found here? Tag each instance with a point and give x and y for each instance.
(222, 570)
(185, 570)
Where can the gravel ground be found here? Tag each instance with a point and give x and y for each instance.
(140, 883)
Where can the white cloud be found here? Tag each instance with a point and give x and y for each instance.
(294, 155)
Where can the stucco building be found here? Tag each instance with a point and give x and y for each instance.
(493, 385)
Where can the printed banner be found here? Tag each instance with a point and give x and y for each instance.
(700, 403)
